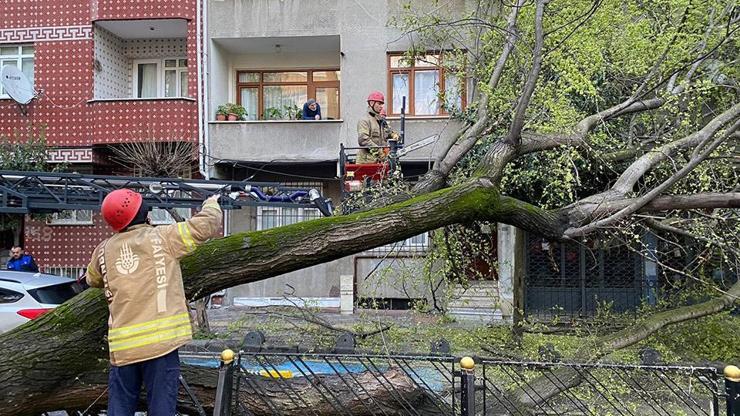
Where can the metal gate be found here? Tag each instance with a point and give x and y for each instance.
(574, 279)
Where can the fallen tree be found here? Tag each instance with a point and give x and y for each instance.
(536, 149)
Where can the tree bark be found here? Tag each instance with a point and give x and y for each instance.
(47, 362)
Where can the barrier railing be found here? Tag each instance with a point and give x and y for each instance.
(280, 383)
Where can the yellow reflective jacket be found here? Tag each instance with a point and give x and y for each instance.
(139, 270)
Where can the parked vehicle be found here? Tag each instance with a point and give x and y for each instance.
(26, 296)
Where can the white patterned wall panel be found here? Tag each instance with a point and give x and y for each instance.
(78, 155)
(111, 75)
(45, 34)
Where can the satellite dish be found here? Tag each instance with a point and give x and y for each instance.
(16, 85)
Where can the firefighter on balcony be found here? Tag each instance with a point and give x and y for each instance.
(139, 270)
(372, 130)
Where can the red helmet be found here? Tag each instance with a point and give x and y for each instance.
(376, 96)
(382, 112)
(120, 208)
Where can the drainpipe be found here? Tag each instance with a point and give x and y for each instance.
(201, 27)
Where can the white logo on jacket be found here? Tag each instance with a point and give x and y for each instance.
(127, 262)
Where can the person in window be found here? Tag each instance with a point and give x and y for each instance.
(372, 130)
(21, 262)
(311, 110)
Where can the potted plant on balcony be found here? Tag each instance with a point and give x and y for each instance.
(222, 112)
(273, 113)
(236, 112)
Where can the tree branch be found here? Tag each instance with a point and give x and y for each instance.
(533, 142)
(543, 388)
(466, 138)
(638, 203)
(513, 136)
(645, 163)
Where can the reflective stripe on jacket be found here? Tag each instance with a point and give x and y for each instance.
(139, 270)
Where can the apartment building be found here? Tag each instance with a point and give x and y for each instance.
(106, 72)
(270, 57)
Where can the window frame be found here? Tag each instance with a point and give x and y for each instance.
(280, 215)
(411, 71)
(6, 293)
(310, 84)
(19, 56)
(161, 68)
(406, 245)
(54, 220)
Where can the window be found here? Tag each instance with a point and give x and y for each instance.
(19, 56)
(71, 217)
(418, 243)
(154, 78)
(269, 217)
(56, 294)
(424, 82)
(9, 296)
(280, 95)
(160, 216)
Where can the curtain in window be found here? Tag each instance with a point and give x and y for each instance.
(328, 98)
(290, 216)
(269, 219)
(147, 75)
(426, 89)
(14, 62)
(400, 90)
(27, 67)
(183, 83)
(284, 101)
(170, 83)
(453, 93)
(249, 101)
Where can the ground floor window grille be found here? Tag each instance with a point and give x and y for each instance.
(72, 217)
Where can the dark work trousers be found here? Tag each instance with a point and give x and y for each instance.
(161, 379)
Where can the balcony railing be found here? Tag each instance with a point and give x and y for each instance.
(275, 141)
(126, 119)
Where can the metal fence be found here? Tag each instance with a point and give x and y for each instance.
(273, 383)
(573, 280)
(66, 271)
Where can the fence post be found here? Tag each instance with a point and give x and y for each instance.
(467, 387)
(732, 389)
(224, 388)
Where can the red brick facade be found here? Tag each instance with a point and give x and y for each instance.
(63, 35)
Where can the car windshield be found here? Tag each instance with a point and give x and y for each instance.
(56, 294)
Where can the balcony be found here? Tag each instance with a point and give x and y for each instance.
(125, 120)
(275, 140)
(143, 82)
(143, 59)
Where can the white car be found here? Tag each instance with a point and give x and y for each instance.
(25, 296)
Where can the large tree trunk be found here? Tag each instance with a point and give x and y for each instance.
(54, 361)
(50, 362)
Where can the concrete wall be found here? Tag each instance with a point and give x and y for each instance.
(268, 141)
(364, 41)
(316, 281)
(238, 29)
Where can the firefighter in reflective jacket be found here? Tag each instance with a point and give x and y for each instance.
(139, 271)
(372, 130)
